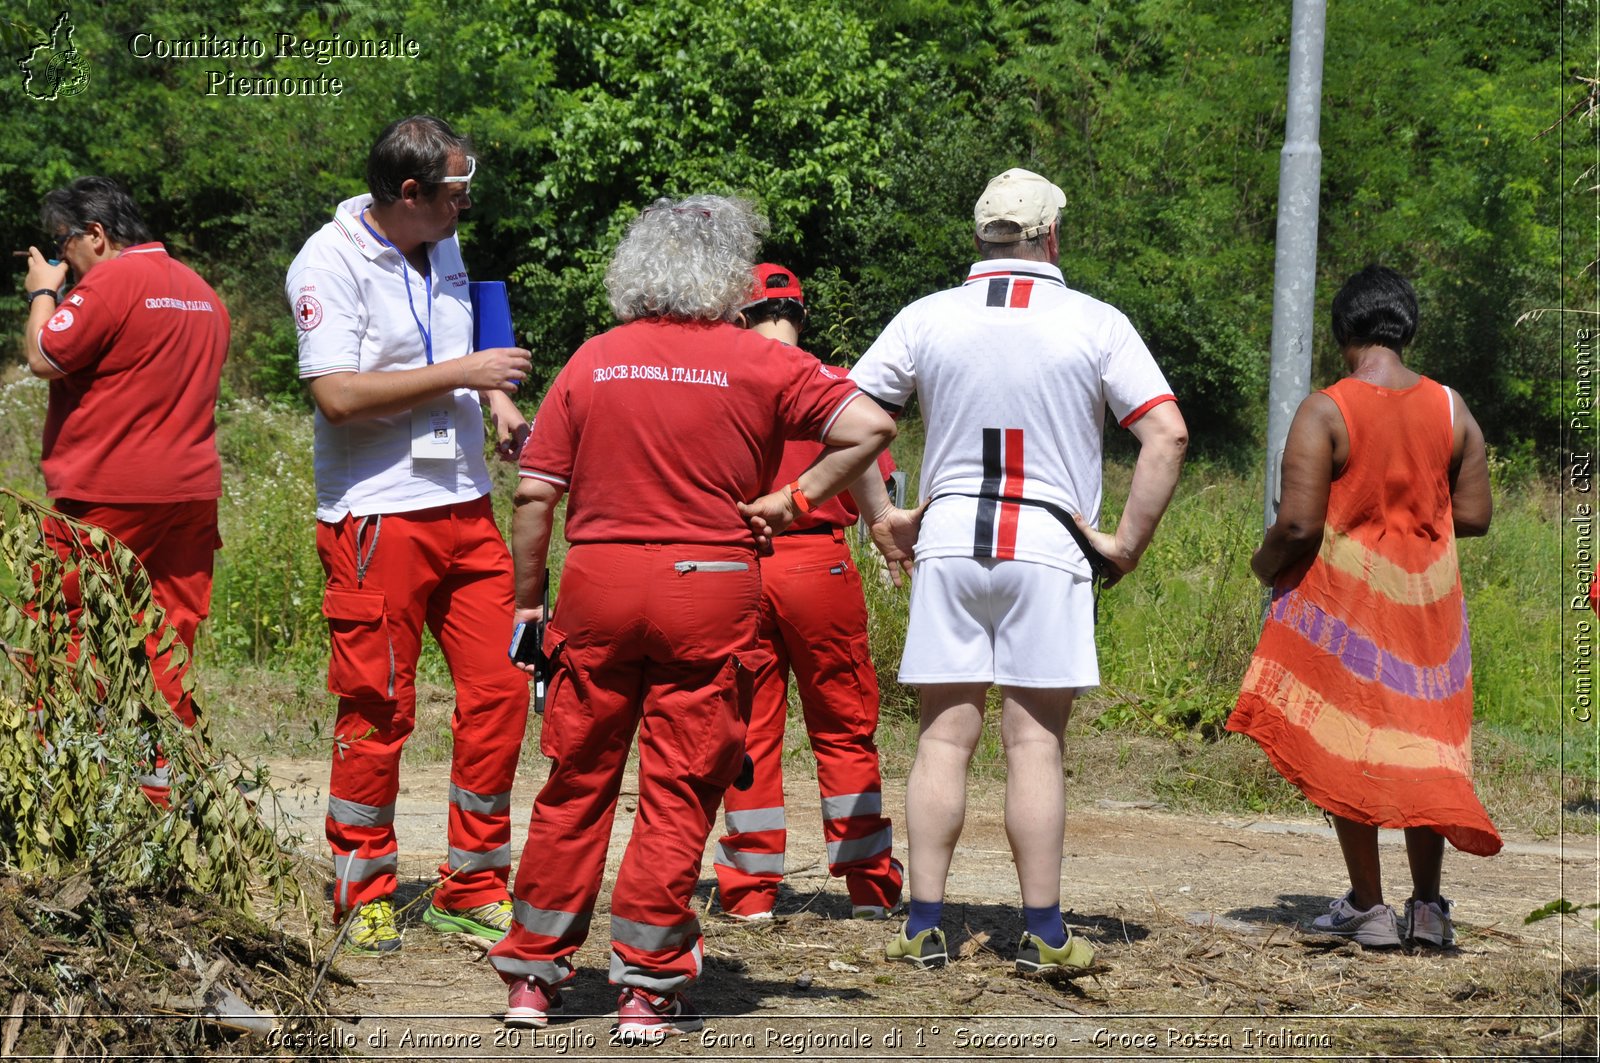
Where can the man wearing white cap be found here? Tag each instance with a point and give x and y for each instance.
(1014, 371)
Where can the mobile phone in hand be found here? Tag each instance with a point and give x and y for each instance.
(527, 645)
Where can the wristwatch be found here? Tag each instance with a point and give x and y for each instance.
(31, 296)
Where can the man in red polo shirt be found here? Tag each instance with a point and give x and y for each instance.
(133, 355)
(814, 623)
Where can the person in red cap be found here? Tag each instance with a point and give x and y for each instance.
(814, 623)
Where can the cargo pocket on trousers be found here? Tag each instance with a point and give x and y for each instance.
(361, 661)
(557, 703)
(716, 753)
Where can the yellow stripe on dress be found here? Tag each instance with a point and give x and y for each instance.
(1349, 737)
(1344, 554)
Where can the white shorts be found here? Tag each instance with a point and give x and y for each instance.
(1013, 623)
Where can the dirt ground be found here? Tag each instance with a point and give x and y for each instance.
(1194, 917)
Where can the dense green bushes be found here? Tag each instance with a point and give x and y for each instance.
(1174, 638)
(866, 131)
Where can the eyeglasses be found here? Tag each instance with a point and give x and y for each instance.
(466, 178)
(66, 238)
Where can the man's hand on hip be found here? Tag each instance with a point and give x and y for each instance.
(894, 533)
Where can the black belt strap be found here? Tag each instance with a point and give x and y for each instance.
(815, 529)
(1099, 565)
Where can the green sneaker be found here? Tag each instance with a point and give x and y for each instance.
(925, 950)
(1035, 957)
(372, 931)
(488, 921)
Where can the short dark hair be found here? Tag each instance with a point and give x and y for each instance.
(416, 148)
(784, 309)
(1376, 306)
(94, 199)
(1032, 247)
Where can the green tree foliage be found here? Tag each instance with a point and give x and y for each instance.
(1165, 119)
(1433, 164)
(866, 132)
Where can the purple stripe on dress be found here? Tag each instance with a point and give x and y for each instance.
(1365, 659)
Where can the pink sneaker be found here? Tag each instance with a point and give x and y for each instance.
(647, 1019)
(529, 1004)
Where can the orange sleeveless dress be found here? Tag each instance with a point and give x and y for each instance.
(1360, 690)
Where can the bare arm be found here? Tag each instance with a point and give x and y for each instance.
(346, 397)
(41, 274)
(856, 438)
(1470, 500)
(510, 427)
(1309, 457)
(531, 525)
(1163, 439)
(894, 531)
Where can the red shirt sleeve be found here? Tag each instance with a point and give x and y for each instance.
(813, 396)
(79, 333)
(552, 444)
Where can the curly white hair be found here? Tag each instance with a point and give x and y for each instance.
(686, 259)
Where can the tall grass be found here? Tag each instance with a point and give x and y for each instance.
(266, 599)
(1174, 638)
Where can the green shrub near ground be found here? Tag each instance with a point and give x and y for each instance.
(1174, 638)
(266, 596)
(80, 722)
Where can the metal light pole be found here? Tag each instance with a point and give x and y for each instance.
(1294, 283)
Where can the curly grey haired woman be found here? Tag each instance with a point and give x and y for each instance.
(665, 431)
(687, 260)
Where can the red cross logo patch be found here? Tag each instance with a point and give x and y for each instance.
(307, 312)
(61, 321)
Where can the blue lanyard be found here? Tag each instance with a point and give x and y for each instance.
(427, 287)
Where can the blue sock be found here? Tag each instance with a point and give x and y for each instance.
(924, 915)
(1045, 924)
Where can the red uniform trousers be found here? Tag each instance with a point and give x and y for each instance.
(448, 568)
(660, 639)
(176, 543)
(813, 620)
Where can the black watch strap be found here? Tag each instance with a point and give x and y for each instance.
(51, 292)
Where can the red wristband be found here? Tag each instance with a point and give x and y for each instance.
(801, 502)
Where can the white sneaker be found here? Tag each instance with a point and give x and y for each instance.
(1429, 922)
(750, 917)
(1375, 928)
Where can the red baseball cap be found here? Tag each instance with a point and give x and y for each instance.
(775, 282)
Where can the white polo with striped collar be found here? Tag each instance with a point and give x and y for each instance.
(1014, 372)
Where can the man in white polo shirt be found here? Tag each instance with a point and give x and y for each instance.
(405, 528)
(1014, 371)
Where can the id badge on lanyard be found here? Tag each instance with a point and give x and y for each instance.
(433, 428)
(433, 433)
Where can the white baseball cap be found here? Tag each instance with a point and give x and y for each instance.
(1021, 197)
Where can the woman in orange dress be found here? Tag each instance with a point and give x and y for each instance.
(1360, 691)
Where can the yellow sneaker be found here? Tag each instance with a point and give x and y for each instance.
(1035, 957)
(372, 931)
(925, 950)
